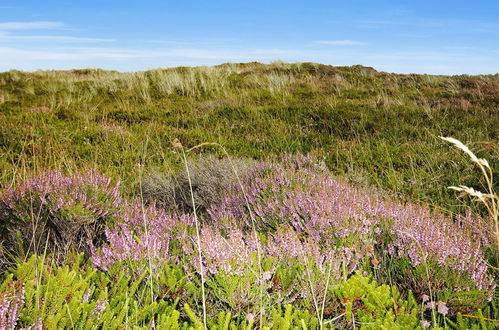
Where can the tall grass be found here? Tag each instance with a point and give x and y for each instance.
(489, 199)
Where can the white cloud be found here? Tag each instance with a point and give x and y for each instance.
(168, 42)
(20, 38)
(436, 56)
(35, 25)
(10, 33)
(339, 42)
(132, 59)
(437, 25)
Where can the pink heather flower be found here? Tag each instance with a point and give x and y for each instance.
(37, 326)
(267, 275)
(425, 324)
(141, 233)
(100, 307)
(431, 305)
(250, 317)
(84, 200)
(412, 182)
(11, 304)
(442, 308)
(425, 298)
(86, 296)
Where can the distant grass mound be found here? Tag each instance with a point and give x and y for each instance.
(373, 127)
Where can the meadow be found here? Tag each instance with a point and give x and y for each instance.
(272, 196)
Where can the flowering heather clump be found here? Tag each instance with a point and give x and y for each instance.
(287, 246)
(425, 324)
(140, 233)
(424, 236)
(442, 308)
(11, 303)
(232, 253)
(61, 211)
(300, 193)
(308, 217)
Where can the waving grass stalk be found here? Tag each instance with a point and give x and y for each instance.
(146, 227)
(489, 199)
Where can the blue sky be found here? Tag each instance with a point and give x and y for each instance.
(440, 37)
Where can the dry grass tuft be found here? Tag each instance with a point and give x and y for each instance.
(210, 177)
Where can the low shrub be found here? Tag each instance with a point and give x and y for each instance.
(376, 307)
(54, 214)
(39, 294)
(77, 296)
(210, 177)
(317, 244)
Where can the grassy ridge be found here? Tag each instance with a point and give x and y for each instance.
(371, 126)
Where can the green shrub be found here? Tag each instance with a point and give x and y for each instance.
(78, 296)
(376, 307)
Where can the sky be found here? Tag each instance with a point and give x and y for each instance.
(435, 37)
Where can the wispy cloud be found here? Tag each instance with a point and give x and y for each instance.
(429, 56)
(439, 25)
(12, 57)
(168, 42)
(15, 32)
(35, 25)
(126, 59)
(50, 38)
(339, 42)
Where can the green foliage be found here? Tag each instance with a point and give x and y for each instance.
(82, 297)
(290, 318)
(487, 318)
(280, 318)
(441, 279)
(241, 291)
(376, 307)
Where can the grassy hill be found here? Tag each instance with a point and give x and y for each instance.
(371, 126)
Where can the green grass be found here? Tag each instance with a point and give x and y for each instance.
(372, 127)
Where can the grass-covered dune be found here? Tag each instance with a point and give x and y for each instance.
(279, 196)
(379, 127)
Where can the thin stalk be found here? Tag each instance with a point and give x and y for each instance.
(325, 291)
(146, 226)
(312, 291)
(198, 236)
(430, 291)
(253, 221)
